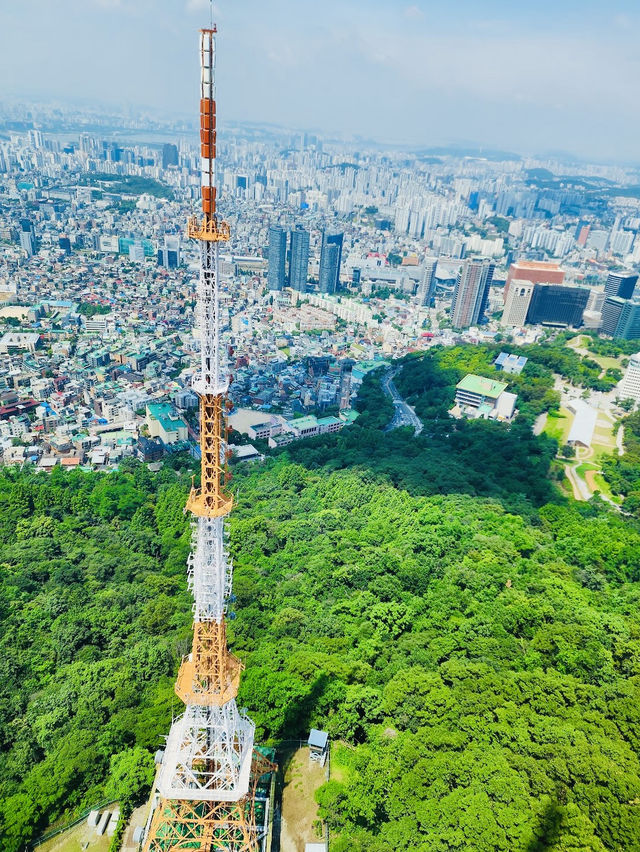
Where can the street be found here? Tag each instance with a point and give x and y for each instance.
(404, 415)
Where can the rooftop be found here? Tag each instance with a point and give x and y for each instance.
(307, 422)
(536, 264)
(318, 739)
(481, 386)
(163, 412)
(510, 363)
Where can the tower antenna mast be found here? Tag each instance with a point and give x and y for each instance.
(210, 771)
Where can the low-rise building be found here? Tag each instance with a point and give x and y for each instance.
(509, 363)
(477, 396)
(14, 341)
(584, 423)
(164, 424)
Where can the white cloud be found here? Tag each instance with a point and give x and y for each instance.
(414, 13)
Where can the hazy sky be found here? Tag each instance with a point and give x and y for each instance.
(549, 75)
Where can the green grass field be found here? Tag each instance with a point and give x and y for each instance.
(558, 426)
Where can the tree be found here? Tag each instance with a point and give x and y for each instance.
(131, 774)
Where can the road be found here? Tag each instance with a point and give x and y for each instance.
(404, 414)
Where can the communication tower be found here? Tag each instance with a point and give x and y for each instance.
(210, 772)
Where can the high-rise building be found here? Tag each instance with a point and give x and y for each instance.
(276, 272)
(471, 293)
(516, 306)
(27, 236)
(27, 243)
(136, 251)
(169, 254)
(611, 311)
(628, 327)
(299, 262)
(630, 385)
(427, 285)
(556, 304)
(621, 284)
(536, 271)
(35, 138)
(330, 260)
(169, 155)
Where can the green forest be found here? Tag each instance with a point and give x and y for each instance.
(469, 636)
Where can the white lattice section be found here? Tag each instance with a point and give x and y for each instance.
(208, 755)
(212, 378)
(209, 569)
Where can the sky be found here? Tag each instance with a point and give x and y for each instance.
(529, 77)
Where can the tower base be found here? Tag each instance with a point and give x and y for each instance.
(197, 826)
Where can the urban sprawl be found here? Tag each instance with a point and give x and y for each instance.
(342, 257)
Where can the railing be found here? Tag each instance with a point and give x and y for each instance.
(55, 831)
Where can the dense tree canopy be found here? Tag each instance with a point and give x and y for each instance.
(93, 611)
(469, 636)
(623, 472)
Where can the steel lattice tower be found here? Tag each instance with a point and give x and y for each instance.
(210, 770)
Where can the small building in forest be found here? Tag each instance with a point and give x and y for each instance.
(318, 743)
(479, 397)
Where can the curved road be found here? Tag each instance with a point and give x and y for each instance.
(404, 414)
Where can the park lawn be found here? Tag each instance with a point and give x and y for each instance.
(576, 342)
(584, 467)
(603, 487)
(606, 361)
(558, 425)
(600, 450)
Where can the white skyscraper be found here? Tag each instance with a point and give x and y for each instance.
(630, 385)
(517, 303)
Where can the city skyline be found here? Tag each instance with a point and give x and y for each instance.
(401, 74)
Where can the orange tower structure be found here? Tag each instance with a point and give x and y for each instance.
(207, 783)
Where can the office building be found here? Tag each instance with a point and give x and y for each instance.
(427, 286)
(628, 327)
(611, 312)
(169, 155)
(136, 252)
(276, 272)
(330, 260)
(630, 385)
(621, 284)
(478, 396)
(535, 271)
(169, 254)
(471, 293)
(555, 304)
(27, 243)
(516, 306)
(299, 262)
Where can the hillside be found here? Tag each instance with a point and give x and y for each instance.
(472, 637)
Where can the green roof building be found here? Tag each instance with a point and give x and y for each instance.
(478, 392)
(166, 425)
